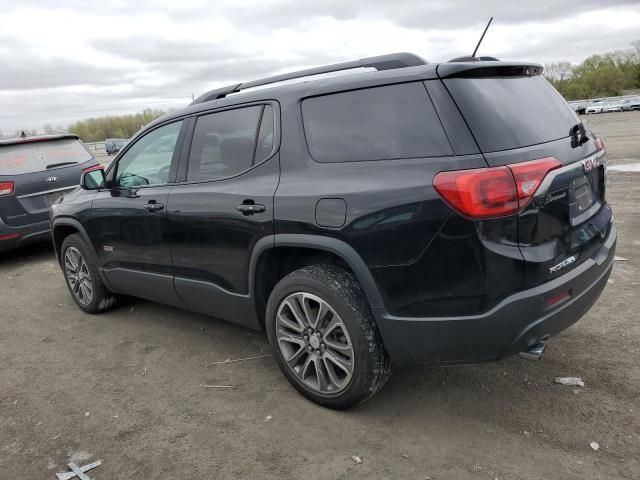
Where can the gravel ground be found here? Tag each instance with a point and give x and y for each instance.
(126, 388)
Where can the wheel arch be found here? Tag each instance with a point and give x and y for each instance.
(65, 226)
(309, 249)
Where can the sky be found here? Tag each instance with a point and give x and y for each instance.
(65, 60)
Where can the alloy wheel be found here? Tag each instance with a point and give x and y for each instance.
(77, 272)
(314, 343)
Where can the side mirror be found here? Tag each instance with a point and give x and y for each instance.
(92, 178)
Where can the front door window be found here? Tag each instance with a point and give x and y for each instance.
(148, 161)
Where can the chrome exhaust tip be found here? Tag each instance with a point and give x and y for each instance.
(534, 352)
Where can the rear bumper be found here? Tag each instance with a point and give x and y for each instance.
(513, 326)
(24, 234)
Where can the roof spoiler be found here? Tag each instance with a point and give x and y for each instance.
(484, 69)
(469, 58)
(381, 62)
(38, 138)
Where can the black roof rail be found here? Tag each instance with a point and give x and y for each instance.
(381, 62)
(217, 93)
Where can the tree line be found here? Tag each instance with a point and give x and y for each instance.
(605, 75)
(121, 126)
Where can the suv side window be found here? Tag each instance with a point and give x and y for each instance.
(388, 122)
(229, 142)
(148, 161)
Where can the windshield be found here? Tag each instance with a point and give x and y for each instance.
(39, 156)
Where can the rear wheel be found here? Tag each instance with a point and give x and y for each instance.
(80, 269)
(324, 337)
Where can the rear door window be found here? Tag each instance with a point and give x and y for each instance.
(512, 112)
(230, 142)
(389, 122)
(40, 156)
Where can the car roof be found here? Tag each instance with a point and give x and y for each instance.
(37, 138)
(348, 80)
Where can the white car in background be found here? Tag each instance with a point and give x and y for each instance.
(596, 107)
(632, 103)
(613, 107)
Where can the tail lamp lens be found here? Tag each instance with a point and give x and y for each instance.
(493, 192)
(6, 188)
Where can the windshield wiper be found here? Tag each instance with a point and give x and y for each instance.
(61, 164)
(578, 135)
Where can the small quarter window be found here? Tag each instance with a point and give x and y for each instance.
(264, 146)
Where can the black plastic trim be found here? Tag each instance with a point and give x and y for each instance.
(72, 222)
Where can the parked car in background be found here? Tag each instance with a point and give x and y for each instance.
(34, 172)
(579, 107)
(423, 213)
(596, 106)
(629, 104)
(613, 106)
(114, 145)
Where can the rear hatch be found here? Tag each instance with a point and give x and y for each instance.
(516, 116)
(37, 171)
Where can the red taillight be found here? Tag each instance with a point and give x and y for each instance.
(493, 192)
(6, 188)
(529, 176)
(10, 236)
(599, 144)
(480, 193)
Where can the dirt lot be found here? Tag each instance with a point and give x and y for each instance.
(126, 388)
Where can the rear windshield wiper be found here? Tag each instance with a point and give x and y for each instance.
(578, 135)
(61, 164)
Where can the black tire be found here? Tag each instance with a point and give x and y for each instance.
(342, 292)
(101, 299)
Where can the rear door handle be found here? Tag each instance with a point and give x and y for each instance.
(250, 208)
(153, 206)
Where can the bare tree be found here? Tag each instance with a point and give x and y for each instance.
(558, 71)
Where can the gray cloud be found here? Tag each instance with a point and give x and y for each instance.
(126, 59)
(419, 14)
(52, 72)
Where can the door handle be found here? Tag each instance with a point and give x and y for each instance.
(250, 208)
(153, 206)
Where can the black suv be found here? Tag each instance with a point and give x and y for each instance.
(420, 213)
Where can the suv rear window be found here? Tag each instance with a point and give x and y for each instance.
(512, 112)
(40, 156)
(389, 122)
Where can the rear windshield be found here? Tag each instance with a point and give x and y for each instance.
(389, 122)
(39, 156)
(512, 112)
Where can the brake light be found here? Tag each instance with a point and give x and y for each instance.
(10, 236)
(493, 192)
(6, 188)
(529, 176)
(599, 144)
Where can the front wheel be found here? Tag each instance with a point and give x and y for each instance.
(324, 337)
(80, 268)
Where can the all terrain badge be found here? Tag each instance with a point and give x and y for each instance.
(563, 264)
